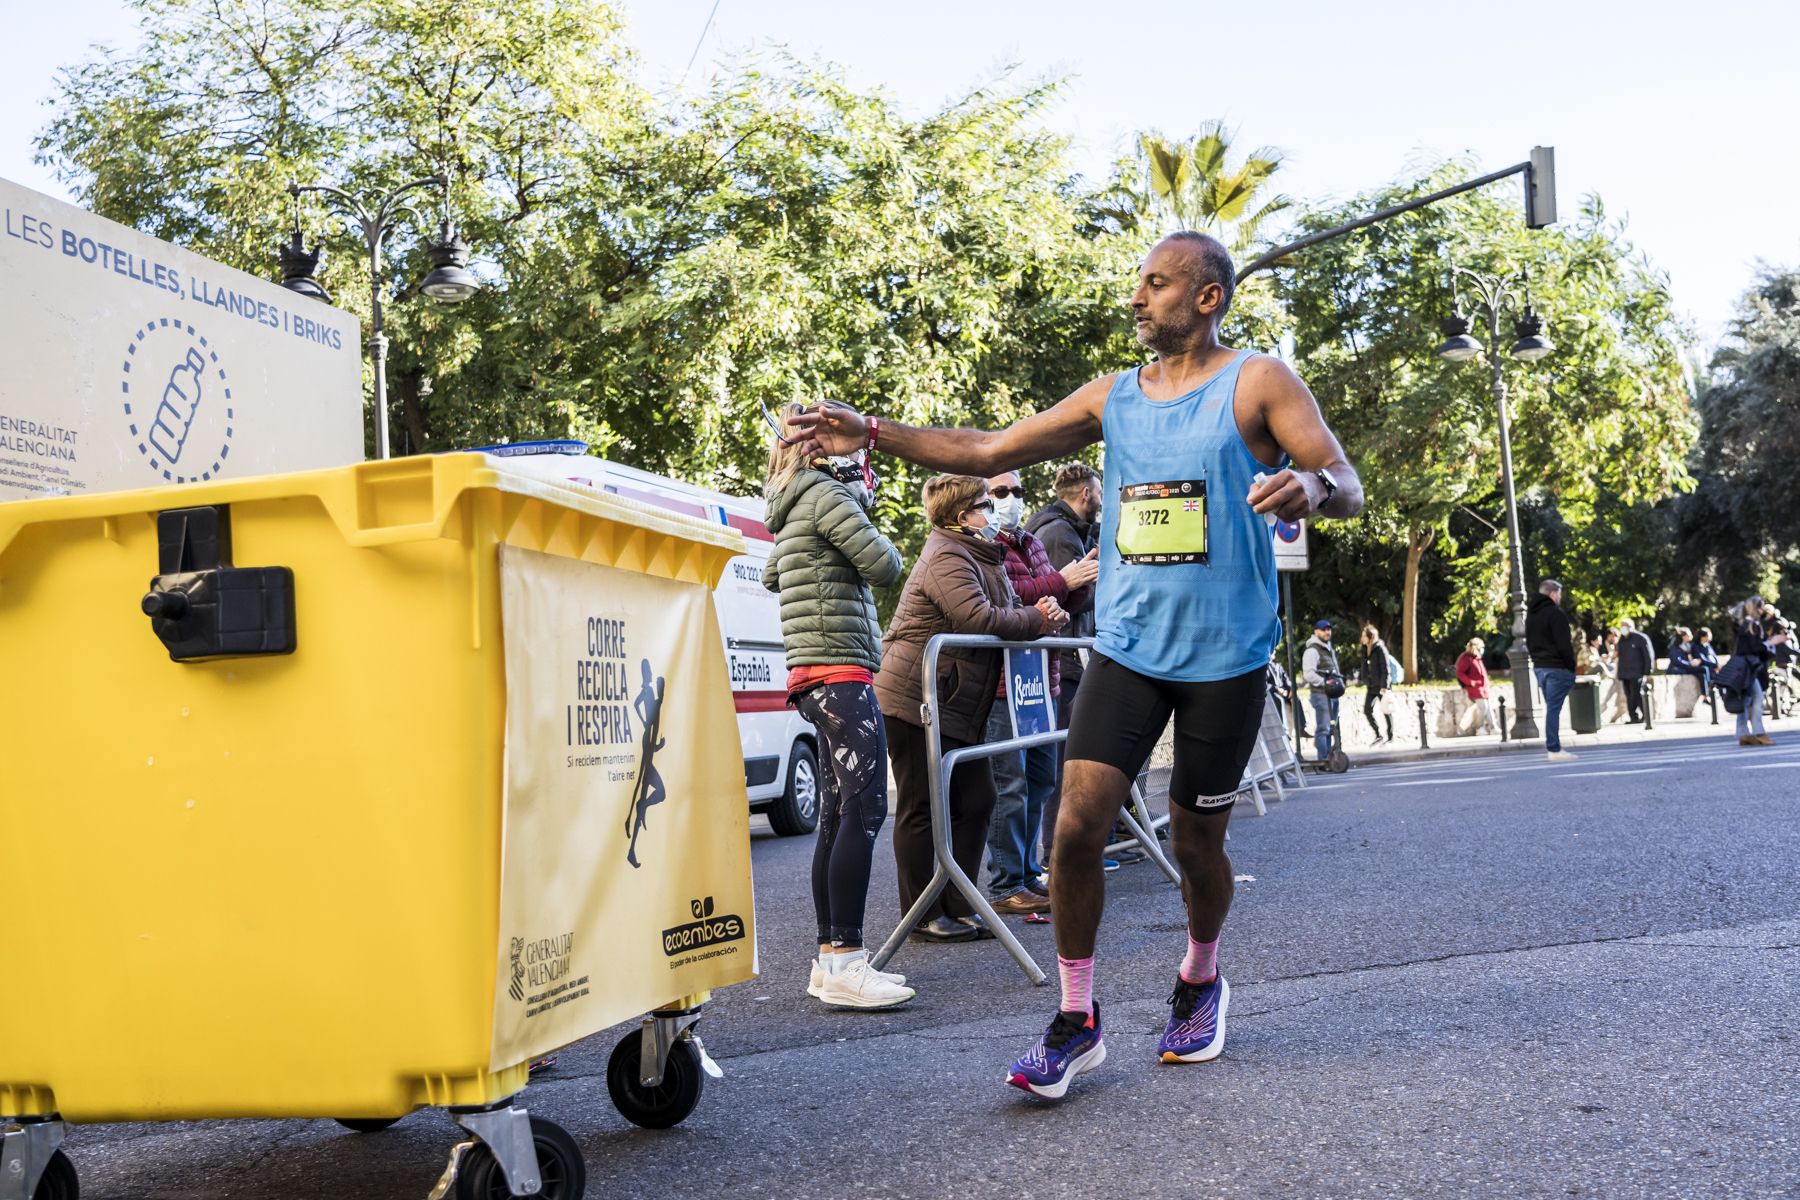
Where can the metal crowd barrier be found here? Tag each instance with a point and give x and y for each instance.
(940, 766)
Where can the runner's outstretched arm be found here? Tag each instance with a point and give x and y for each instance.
(1073, 423)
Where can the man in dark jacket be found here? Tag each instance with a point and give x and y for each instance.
(1070, 532)
(1553, 658)
(1637, 660)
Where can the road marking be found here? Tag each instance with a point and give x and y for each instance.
(1767, 766)
(1434, 782)
(1596, 774)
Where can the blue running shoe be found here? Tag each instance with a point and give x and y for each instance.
(1071, 1045)
(1196, 1030)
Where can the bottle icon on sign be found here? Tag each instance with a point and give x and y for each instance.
(180, 401)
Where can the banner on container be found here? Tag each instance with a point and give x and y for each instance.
(625, 861)
(1028, 692)
(132, 363)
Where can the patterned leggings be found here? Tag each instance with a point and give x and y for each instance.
(852, 803)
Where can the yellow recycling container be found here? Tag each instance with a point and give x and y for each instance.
(343, 793)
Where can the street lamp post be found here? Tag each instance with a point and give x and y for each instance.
(1493, 296)
(448, 283)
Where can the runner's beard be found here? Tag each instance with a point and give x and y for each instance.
(1165, 339)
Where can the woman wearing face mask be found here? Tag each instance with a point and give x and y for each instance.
(959, 585)
(1025, 779)
(827, 554)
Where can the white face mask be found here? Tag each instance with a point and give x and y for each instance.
(1009, 512)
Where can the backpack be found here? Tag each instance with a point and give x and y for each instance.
(1396, 673)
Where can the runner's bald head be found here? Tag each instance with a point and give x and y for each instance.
(1210, 263)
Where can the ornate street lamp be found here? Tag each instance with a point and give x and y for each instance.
(448, 283)
(1493, 295)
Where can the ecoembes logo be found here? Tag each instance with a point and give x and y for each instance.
(705, 930)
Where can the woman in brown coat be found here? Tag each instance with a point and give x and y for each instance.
(959, 585)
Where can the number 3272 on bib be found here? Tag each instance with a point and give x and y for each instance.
(1162, 523)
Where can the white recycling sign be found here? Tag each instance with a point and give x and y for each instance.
(133, 363)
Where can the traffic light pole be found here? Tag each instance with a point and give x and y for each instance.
(1540, 206)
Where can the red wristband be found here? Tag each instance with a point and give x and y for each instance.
(874, 431)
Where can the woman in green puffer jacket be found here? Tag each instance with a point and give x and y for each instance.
(827, 554)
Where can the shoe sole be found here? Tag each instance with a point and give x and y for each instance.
(1055, 1091)
(817, 990)
(863, 1004)
(1217, 1045)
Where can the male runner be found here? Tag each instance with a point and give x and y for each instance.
(1186, 611)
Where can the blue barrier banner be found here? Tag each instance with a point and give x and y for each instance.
(1028, 692)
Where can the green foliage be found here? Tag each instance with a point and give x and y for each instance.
(1190, 185)
(1733, 535)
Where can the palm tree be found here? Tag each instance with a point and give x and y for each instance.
(1187, 185)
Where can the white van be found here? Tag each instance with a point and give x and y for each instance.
(781, 763)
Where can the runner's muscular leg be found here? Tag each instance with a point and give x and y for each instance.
(1092, 796)
(1198, 840)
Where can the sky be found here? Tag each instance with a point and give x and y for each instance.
(1676, 115)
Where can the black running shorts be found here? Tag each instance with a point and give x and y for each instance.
(1120, 714)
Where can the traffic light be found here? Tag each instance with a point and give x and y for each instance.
(1540, 188)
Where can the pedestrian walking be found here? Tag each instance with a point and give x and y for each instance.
(1744, 677)
(1069, 527)
(1472, 674)
(827, 555)
(1200, 444)
(959, 585)
(1320, 672)
(1552, 653)
(1377, 675)
(1637, 662)
(1024, 779)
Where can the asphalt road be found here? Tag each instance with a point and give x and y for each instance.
(1487, 977)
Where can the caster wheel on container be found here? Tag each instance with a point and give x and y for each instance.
(368, 1124)
(560, 1167)
(58, 1182)
(669, 1102)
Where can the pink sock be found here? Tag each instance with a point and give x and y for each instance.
(1202, 962)
(1077, 983)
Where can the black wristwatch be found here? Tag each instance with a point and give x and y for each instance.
(1331, 486)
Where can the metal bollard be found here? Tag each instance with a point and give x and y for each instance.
(1774, 698)
(1424, 742)
(1712, 698)
(1503, 733)
(1649, 704)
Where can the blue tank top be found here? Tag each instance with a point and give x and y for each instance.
(1188, 591)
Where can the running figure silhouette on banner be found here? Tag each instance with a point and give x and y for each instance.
(648, 706)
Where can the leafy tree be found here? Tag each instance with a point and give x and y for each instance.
(1606, 416)
(1735, 532)
(1190, 185)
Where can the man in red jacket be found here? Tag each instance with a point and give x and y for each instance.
(1024, 779)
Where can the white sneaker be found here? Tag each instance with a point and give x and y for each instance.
(861, 986)
(1561, 756)
(816, 983)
